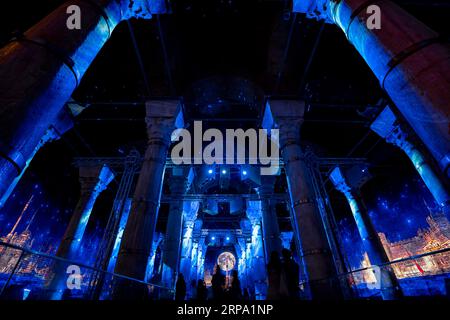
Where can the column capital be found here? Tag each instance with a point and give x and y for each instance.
(95, 178)
(314, 9)
(162, 118)
(287, 116)
(339, 182)
(388, 126)
(350, 180)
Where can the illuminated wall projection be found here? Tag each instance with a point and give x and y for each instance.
(420, 227)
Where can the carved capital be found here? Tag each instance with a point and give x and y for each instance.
(287, 116)
(163, 117)
(387, 126)
(94, 179)
(314, 9)
(340, 183)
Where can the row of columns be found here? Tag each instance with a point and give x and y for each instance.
(133, 256)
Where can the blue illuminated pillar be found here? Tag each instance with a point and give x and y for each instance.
(122, 223)
(258, 260)
(194, 260)
(371, 242)
(178, 183)
(94, 181)
(190, 226)
(270, 228)
(158, 237)
(388, 127)
(63, 123)
(163, 117)
(411, 62)
(241, 248)
(40, 70)
(202, 246)
(287, 116)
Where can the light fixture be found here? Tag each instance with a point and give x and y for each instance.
(244, 173)
(224, 171)
(210, 171)
(213, 238)
(228, 238)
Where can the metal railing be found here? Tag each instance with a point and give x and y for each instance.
(29, 274)
(426, 274)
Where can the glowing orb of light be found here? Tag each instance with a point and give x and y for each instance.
(226, 261)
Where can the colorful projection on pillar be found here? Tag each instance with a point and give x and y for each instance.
(408, 222)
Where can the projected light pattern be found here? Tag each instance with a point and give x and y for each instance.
(408, 223)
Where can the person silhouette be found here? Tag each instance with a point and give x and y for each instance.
(276, 277)
(180, 288)
(202, 291)
(235, 290)
(291, 270)
(218, 283)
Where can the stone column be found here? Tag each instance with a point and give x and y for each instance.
(190, 226)
(137, 240)
(248, 266)
(241, 247)
(62, 124)
(288, 117)
(270, 229)
(389, 127)
(194, 260)
(258, 260)
(94, 181)
(409, 59)
(202, 247)
(157, 240)
(387, 281)
(40, 69)
(178, 184)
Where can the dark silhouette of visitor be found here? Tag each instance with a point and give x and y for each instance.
(235, 290)
(291, 270)
(276, 277)
(202, 291)
(192, 289)
(180, 288)
(246, 294)
(218, 283)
